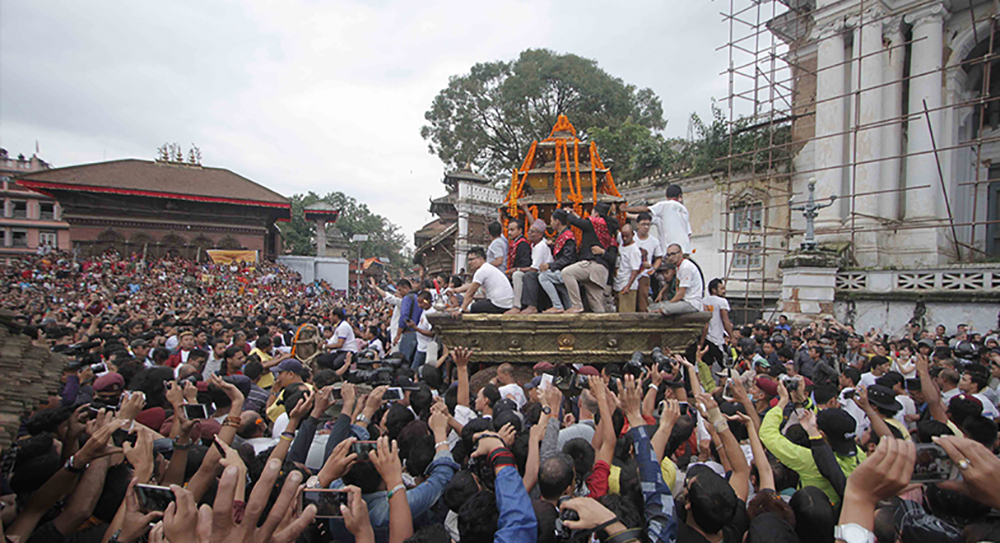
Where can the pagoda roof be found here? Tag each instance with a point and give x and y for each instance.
(321, 209)
(466, 174)
(441, 236)
(157, 180)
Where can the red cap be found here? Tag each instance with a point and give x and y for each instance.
(767, 386)
(589, 370)
(543, 366)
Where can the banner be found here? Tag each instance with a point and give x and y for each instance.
(220, 256)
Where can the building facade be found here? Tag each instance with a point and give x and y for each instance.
(463, 215)
(159, 208)
(29, 219)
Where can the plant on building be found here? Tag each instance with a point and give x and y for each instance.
(385, 240)
(489, 116)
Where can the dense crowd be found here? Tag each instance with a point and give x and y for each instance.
(190, 412)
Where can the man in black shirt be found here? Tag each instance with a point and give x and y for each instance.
(597, 254)
(518, 258)
(564, 253)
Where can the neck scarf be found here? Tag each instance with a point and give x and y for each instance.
(512, 251)
(561, 240)
(601, 229)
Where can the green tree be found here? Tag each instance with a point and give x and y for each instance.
(385, 240)
(489, 116)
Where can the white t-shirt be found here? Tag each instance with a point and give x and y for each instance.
(422, 340)
(868, 379)
(673, 224)
(909, 408)
(498, 248)
(345, 331)
(515, 392)
(689, 278)
(716, 330)
(494, 285)
(463, 415)
(376, 345)
(541, 253)
(989, 410)
(629, 260)
(651, 250)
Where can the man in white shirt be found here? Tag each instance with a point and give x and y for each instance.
(973, 382)
(673, 224)
(652, 256)
(496, 254)
(879, 366)
(508, 387)
(343, 334)
(629, 265)
(425, 335)
(541, 254)
(499, 292)
(716, 330)
(687, 299)
(402, 289)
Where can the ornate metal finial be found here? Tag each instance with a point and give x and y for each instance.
(810, 209)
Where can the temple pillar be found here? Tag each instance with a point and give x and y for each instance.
(321, 237)
(868, 152)
(892, 110)
(462, 241)
(924, 246)
(830, 119)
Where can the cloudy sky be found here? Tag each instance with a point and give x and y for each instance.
(303, 95)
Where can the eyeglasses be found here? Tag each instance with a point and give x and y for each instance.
(674, 253)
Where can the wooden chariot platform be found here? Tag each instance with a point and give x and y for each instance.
(585, 338)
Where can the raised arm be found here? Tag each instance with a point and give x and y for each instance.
(939, 411)
(740, 479)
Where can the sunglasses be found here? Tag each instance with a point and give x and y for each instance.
(674, 253)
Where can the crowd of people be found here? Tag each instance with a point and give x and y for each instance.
(190, 412)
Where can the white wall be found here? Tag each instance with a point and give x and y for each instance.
(333, 270)
(893, 316)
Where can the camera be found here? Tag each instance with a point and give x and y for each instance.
(662, 361)
(791, 383)
(634, 366)
(563, 532)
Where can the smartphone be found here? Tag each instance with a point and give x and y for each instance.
(546, 381)
(195, 411)
(335, 394)
(326, 500)
(684, 408)
(393, 394)
(154, 498)
(99, 368)
(121, 436)
(658, 412)
(362, 448)
(933, 465)
(727, 391)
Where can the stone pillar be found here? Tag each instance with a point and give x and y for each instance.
(462, 241)
(830, 117)
(808, 283)
(320, 237)
(868, 140)
(926, 58)
(892, 109)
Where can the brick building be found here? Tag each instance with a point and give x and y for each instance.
(161, 208)
(28, 219)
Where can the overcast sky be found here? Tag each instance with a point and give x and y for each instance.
(313, 95)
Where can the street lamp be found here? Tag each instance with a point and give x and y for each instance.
(358, 238)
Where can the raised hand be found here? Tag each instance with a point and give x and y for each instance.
(671, 413)
(507, 434)
(302, 407)
(135, 523)
(356, 515)
(486, 442)
(385, 457)
(461, 356)
(175, 394)
(592, 514)
(180, 519)
(338, 463)
(981, 476)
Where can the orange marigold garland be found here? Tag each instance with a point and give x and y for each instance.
(558, 179)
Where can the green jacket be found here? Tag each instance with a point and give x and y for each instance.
(800, 459)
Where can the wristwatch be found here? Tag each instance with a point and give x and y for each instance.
(547, 410)
(312, 482)
(73, 469)
(853, 533)
(362, 418)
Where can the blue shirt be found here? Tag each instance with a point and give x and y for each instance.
(409, 310)
(661, 523)
(517, 522)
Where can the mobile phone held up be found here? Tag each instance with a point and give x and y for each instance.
(195, 411)
(393, 394)
(153, 498)
(362, 448)
(933, 465)
(326, 500)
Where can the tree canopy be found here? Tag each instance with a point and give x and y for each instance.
(489, 116)
(385, 240)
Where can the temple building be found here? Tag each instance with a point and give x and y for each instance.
(463, 215)
(893, 108)
(29, 219)
(159, 208)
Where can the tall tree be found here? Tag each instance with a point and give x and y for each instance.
(490, 116)
(385, 240)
